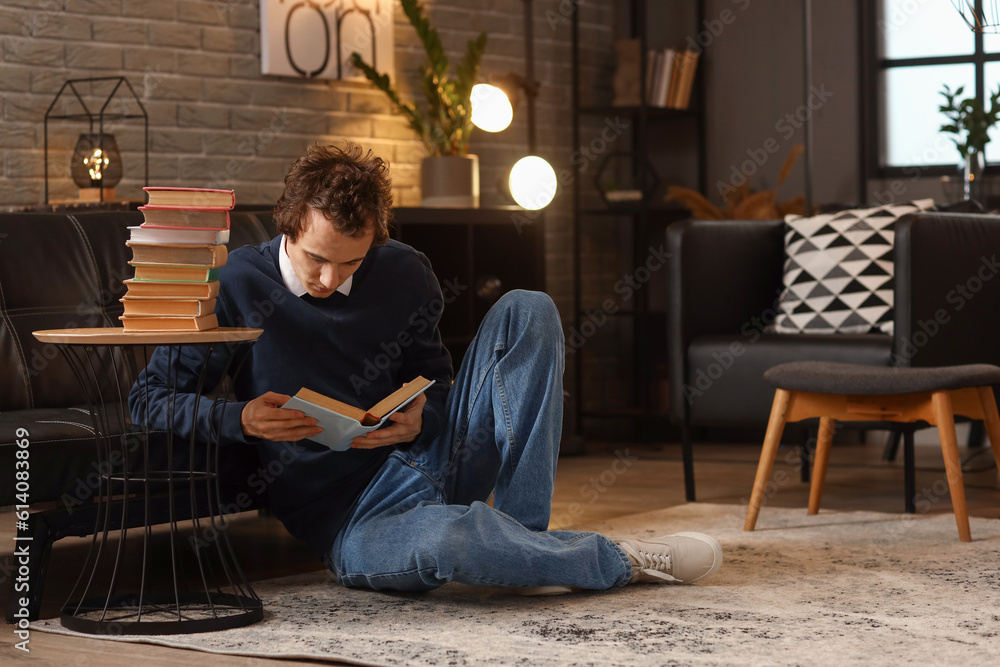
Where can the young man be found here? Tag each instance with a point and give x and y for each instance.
(404, 508)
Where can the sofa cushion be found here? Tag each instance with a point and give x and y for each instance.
(725, 377)
(52, 277)
(62, 451)
(838, 275)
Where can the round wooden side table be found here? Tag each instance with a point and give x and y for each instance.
(205, 589)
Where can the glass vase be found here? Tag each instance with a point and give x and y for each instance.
(973, 172)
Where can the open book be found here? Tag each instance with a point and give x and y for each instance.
(341, 423)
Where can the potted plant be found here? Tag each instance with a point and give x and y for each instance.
(449, 175)
(971, 123)
(742, 203)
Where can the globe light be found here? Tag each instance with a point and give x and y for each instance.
(491, 110)
(97, 161)
(533, 183)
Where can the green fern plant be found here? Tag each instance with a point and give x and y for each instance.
(444, 123)
(968, 117)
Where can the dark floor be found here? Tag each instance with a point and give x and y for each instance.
(609, 480)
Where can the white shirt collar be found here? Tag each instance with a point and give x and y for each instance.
(292, 281)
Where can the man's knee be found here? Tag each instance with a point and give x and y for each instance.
(536, 305)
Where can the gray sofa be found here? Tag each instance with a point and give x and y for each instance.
(725, 278)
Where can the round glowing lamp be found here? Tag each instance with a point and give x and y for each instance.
(97, 162)
(491, 109)
(533, 183)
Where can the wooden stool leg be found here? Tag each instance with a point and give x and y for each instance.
(824, 438)
(775, 427)
(991, 419)
(945, 418)
(909, 473)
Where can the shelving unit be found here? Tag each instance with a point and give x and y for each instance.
(478, 254)
(635, 327)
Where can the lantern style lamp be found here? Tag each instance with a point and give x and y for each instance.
(96, 166)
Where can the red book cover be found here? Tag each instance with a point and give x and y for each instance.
(184, 217)
(201, 198)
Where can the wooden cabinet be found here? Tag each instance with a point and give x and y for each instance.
(477, 255)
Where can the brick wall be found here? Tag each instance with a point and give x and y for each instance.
(215, 121)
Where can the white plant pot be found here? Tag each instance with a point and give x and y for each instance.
(450, 181)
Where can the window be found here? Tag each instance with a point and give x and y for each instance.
(918, 47)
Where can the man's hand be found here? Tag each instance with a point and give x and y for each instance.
(263, 417)
(406, 428)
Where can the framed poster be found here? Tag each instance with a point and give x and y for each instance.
(313, 39)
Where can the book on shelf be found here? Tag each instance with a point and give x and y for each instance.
(666, 64)
(670, 98)
(189, 254)
(687, 64)
(652, 62)
(176, 290)
(692, 64)
(654, 59)
(202, 323)
(342, 422)
(202, 198)
(166, 273)
(167, 306)
(172, 217)
(166, 235)
(623, 196)
(669, 76)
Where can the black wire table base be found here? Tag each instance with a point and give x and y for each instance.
(184, 576)
(162, 614)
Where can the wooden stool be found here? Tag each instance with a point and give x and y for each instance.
(854, 392)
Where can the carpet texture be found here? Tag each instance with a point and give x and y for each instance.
(833, 589)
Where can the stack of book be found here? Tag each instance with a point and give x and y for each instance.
(176, 253)
(669, 75)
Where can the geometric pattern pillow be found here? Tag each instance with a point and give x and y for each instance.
(838, 274)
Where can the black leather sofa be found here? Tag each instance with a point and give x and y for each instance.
(61, 271)
(725, 278)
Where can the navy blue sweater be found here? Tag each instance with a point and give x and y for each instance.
(355, 348)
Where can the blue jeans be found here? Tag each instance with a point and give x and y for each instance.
(423, 520)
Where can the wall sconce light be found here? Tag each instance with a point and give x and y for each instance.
(96, 166)
(492, 110)
(532, 181)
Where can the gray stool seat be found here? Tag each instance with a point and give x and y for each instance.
(827, 377)
(835, 392)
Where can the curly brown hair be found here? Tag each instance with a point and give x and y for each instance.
(349, 186)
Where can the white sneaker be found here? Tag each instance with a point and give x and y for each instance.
(684, 558)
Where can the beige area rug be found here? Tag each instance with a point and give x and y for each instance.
(833, 589)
